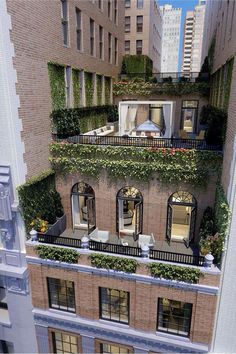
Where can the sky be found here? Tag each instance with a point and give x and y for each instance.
(186, 5)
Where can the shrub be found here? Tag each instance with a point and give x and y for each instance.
(116, 263)
(216, 120)
(57, 254)
(172, 272)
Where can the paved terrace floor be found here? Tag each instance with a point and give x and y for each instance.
(173, 246)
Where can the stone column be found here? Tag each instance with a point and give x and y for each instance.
(88, 344)
(42, 339)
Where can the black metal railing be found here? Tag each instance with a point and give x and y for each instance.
(176, 257)
(169, 77)
(158, 255)
(139, 141)
(59, 240)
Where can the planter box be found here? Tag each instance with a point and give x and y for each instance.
(58, 228)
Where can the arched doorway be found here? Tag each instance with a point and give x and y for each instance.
(181, 217)
(83, 207)
(129, 211)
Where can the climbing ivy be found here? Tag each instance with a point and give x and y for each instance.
(89, 89)
(169, 165)
(99, 90)
(76, 87)
(57, 83)
(107, 90)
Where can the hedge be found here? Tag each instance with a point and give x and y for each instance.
(57, 253)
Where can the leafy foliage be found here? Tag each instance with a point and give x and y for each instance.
(57, 254)
(99, 90)
(216, 120)
(76, 86)
(137, 64)
(57, 83)
(116, 263)
(89, 89)
(39, 199)
(172, 272)
(73, 121)
(107, 90)
(169, 165)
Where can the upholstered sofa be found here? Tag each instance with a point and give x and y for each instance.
(102, 131)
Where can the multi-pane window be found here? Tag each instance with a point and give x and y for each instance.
(109, 48)
(111, 348)
(109, 8)
(139, 4)
(100, 4)
(64, 21)
(174, 317)
(139, 23)
(78, 29)
(115, 11)
(127, 47)
(116, 51)
(139, 47)
(101, 35)
(114, 305)
(127, 24)
(91, 36)
(61, 294)
(64, 343)
(127, 4)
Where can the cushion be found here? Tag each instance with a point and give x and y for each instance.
(94, 132)
(101, 130)
(108, 127)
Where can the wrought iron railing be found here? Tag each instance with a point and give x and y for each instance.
(123, 250)
(169, 77)
(126, 140)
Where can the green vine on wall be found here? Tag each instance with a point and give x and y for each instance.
(115, 263)
(99, 90)
(169, 165)
(89, 89)
(76, 87)
(107, 90)
(172, 272)
(57, 254)
(57, 84)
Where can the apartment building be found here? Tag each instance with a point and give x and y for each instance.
(193, 37)
(69, 48)
(219, 47)
(143, 30)
(171, 22)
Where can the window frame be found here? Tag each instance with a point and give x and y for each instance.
(139, 25)
(54, 340)
(120, 348)
(79, 32)
(137, 50)
(50, 295)
(127, 25)
(101, 42)
(127, 51)
(127, 4)
(92, 37)
(139, 4)
(116, 50)
(109, 305)
(65, 23)
(109, 48)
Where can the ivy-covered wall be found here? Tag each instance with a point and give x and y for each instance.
(57, 83)
(168, 165)
(107, 90)
(89, 88)
(76, 87)
(140, 64)
(99, 90)
(39, 199)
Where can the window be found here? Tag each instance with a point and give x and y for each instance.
(139, 47)
(109, 8)
(127, 47)
(91, 37)
(61, 294)
(139, 4)
(114, 305)
(174, 317)
(109, 48)
(189, 115)
(78, 29)
(3, 300)
(139, 23)
(127, 4)
(64, 343)
(116, 51)
(115, 11)
(64, 21)
(127, 24)
(6, 347)
(68, 86)
(100, 42)
(106, 348)
(100, 4)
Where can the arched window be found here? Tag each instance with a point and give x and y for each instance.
(83, 207)
(181, 217)
(129, 211)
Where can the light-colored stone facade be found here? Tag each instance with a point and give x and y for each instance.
(151, 34)
(37, 38)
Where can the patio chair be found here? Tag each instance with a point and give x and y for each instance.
(183, 134)
(201, 135)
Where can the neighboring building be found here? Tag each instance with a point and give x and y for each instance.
(143, 30)
(193, 36)
(220, 47)
(171, 23)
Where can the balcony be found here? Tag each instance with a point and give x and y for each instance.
(174, 252)
(169, 77)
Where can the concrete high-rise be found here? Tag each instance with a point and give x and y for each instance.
(143, 30)
(171, 22)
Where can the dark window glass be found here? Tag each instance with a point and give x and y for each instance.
(91, 37)
(116, 51)
(64, 343)
(109, 8)
(139, 23)
(106, 348)
(109, 48)
(100, 4)
(3, 300)
(78, 29)
(115, 11)
(127, 4)
(139, 4)
(114, 305)
(100, 42)
(61, 294)
(127, 47)
(127, 24)
(174, 317)
(64, 21)
(139, 47)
